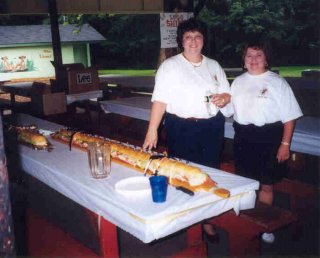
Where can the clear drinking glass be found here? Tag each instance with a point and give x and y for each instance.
(99, 156)
(210, 107)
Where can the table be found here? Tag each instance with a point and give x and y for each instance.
(306, 137)
(68, 173)
(94, 94)
(17, 88)
(24, 89)
(136, 82)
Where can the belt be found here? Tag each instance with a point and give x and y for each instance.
(194, 119)
(186, 119)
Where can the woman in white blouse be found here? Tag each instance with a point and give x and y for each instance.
(183, 83)
(265, 111)
(192, 94)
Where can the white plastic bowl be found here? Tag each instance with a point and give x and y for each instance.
(134, 187)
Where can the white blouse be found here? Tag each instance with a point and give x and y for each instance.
(183, 87)
(263, 99)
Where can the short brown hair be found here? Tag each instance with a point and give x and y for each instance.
(258, 46)
(191, 24)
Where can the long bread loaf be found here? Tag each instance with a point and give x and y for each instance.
(179, 173)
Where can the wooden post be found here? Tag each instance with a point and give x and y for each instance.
(108, 239)
(56, 46)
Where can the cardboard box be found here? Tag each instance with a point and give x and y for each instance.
(83, 80)
(49, 104)
(40, 88)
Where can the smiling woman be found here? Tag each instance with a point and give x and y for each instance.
(192, 77)
(265, 111)
(194, 127)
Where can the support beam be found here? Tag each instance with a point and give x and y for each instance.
(56, 44)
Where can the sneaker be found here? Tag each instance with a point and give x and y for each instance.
(268, 238)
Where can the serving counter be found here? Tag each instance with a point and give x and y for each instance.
(68, 173)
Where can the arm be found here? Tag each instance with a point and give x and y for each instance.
(284, 149)
(157, 111)
(221, 100)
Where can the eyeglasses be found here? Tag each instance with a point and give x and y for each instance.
(189, 38)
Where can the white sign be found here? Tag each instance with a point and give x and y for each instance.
(168, 27)
(84, 78)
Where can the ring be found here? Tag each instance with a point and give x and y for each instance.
(222, 100)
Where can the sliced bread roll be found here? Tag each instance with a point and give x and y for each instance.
(32, 137)
(178, 173)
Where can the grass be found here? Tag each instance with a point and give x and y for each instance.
(128, 72)
(294, 71)
(285, 71)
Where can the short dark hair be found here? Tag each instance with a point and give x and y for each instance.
(191, 24)
(258, 45)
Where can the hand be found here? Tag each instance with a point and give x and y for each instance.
(151, 140)
(283, 153)
(221, 100)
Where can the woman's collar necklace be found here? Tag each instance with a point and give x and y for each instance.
(194, 64)
(259, 74)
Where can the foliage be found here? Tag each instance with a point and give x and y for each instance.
(290, 27)
(131, 40)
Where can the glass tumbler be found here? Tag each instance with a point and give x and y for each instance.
(99, 156)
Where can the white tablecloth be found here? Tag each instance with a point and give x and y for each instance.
(84, 96)
(68, 172)
(306, 137)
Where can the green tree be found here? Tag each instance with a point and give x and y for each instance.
(131, 40)
(290, 26)
(286, 25)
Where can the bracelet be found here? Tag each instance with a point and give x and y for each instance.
(285, 143)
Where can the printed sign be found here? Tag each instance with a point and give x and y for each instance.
(168, 27)
(84, 78)
(16, 64)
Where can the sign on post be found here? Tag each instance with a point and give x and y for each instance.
(168, 27)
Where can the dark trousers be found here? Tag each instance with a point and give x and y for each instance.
(255, 151)
(198, 141)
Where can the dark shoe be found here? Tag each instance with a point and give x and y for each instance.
(213, 239)
(211, 235)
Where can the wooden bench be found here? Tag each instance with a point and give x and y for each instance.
(271, 218)
(6, 106)
(244, 230)
(298, 190)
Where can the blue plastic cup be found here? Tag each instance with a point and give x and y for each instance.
(159, 185)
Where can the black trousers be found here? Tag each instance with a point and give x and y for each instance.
(255, 151)
(198, 141)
